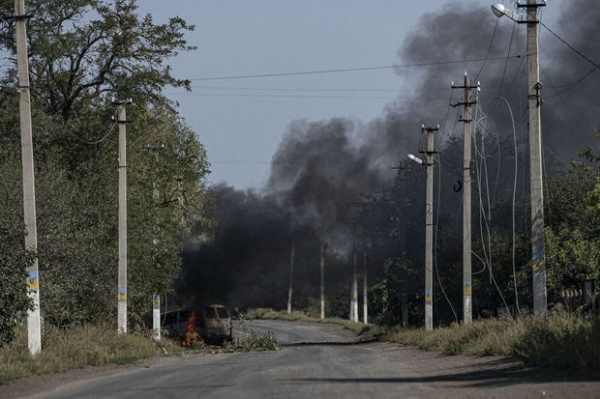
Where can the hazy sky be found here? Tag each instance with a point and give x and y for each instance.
(241, 121)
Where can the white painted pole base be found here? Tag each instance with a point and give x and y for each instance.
(322, 307)
(122, 316)
(34, 327)
(156, 318)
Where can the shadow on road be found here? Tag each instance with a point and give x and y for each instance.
(495, 373)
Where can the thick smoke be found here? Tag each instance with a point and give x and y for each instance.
(322, 168)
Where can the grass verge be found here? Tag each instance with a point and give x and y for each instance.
(365, 331)
(561, 340)
(76, 347)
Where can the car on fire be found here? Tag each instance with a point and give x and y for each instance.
(212, 323)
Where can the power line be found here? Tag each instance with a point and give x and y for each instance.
(596, 66)
(343, 70)
(299, 96)
(488, 51)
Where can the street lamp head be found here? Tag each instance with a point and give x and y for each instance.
(498, 10)
(416, 159)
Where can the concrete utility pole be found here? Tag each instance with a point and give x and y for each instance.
(538, 244)
(430, 131)
(290, 288)
(365, 289)
(354, 302)
(467, 180)
(34, 335)
(155, 297)
(122, 283)
(322, 280)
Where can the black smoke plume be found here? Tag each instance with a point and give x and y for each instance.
(323, 168)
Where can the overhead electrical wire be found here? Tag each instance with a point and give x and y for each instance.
(489, 49)
(344, 70)
(479, 165)
(435, 258)
(514, 199)
(234, 95)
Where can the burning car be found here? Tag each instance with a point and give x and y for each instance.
(206, 324)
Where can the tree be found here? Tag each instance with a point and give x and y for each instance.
(84, 54)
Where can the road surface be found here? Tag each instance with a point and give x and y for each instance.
(367, 370)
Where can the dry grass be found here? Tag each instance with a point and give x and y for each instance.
(561, 340)
(73, 348)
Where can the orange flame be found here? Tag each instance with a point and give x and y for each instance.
(191, 336)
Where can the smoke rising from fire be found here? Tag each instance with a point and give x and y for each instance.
(322, 168)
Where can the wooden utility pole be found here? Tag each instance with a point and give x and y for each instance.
(34, 335)
(467, 181)
(430, 131)
(290, 288)
(122, 283)
(322, 280)
(538, 244)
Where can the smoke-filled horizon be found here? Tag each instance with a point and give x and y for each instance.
(322, 169)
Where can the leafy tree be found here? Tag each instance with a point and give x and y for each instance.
(83, 54)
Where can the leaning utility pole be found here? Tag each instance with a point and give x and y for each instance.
(467, 180)
(430, 131)
(322, 280)
(290, 288)
(538, 245)
(34, 335)
(122, 283)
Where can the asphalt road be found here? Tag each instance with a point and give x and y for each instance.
(373, 370)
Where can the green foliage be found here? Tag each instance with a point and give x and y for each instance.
(13, 258)
(83, 54)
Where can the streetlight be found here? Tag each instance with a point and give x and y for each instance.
(499, 11)
(416, 159)
(538, 245)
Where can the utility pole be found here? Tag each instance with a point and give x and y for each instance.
(365, 288)
(122, 283)
(430, 131)
(290, 288)
(467, 180)
(34, 335)
(354, 302)
(155, 297)
(538, 244)
(322, 280)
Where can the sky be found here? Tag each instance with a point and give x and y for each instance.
(241, 121)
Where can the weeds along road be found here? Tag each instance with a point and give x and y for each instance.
(368, 370)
